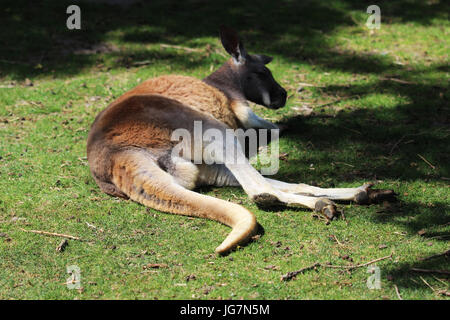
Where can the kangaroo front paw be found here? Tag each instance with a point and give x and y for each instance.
(368, 195)
(327, 208)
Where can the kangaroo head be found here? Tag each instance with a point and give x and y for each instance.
(255, 80)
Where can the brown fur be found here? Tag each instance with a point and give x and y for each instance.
(191, 92)
(130, 137)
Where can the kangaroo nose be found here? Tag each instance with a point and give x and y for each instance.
(284, 94)
(281, 99)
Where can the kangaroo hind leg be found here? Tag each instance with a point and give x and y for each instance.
(360, 195)
(139, 176)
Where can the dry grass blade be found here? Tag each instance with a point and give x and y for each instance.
(398, 292)
(52, 234)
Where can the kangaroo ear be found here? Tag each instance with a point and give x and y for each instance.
(263, 58)
(232, 44)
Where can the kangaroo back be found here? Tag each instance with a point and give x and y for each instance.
(191, 92)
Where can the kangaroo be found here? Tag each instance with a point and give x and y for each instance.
(130, 150)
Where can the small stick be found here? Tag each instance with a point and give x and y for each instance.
(427, 284)
(180, 48)
(397, 143)
(439, 237)
(337, 240)
(359, 265)
(52, 234)
(398, 292)
(290, 275)
(352, 130)
(426, 161)
(439, 280)
(15, 62)
(350, 165)
(430, 271)
(303, 84)
(446, 253)
(397, 80)
(142, 63)
(403, 137)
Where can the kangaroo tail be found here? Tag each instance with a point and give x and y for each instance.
(137, 175)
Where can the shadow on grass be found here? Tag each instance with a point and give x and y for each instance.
(37, 41)
(417, 217)
(404, 276)
(384, 143)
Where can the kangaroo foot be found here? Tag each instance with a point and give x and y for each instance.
(369, 195)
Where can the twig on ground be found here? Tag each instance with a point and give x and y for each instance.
(15, 62)
(292, 274)
(52, 234)
(337, 240)
(446, 253)
(397, 143)
(359, 265)
(180, 47)
(403, 137)
(438, 292)
(429, 286)
(339, 162)
(79, 257)
(439, 237)
(396, 80)
(398, 292)
(142, 63)
(443, 282)
(426, 161)
(447, 272)
(303, 84)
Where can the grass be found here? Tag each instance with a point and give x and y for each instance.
(380, 107)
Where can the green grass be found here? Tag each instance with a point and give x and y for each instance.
(367, 125)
